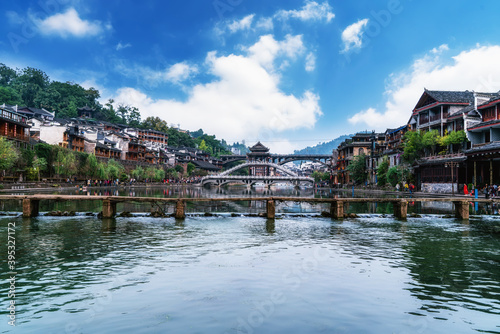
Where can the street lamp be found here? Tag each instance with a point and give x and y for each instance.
(452, 165)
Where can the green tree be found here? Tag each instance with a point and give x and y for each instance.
(114, 169)
(25, 159)
(177, 138)
(29, 82)
(7, 75)
(138, 173)
(357, 168)
(8, 154)
(159, 174)
(154, 123)
(149, 173)
(91, 166)
(172, 173)
(382, 172)
(40, 165)
(394, 175)
(134, 117)
(43, 150)
(190, 168)
(10, 96)
(320, 176)
(430, 140)
(412, 146)
(197, 134)
(179, 169)
(102, 171)
(453, 138)
(70, 164)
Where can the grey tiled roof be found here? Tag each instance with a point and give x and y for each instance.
(451, 96)
(204, 165)
(487, 147)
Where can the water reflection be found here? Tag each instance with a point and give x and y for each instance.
(243, 206)
(393, 273)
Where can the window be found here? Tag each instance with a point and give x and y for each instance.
(489, 114)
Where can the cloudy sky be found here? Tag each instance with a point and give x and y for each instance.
(290, 73)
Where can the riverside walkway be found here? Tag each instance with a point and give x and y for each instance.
(30, 203)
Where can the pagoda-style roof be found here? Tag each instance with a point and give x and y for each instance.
(259, 148)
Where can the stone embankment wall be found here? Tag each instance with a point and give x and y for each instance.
(439, 188)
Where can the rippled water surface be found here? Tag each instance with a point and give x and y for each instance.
(248, 275)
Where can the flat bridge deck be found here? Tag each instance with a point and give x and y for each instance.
(31, 203)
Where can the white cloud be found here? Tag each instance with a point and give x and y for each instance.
(243, 24)
(121, 46)
(267, 49)
(149, 77)
(310, 62)
(353, 34)
(180, 72)
(475, 69)
(310, 11)
(69, 24)
(244, 101)
(265, 23)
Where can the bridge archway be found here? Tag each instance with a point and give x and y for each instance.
(302, 159)
(260, 164)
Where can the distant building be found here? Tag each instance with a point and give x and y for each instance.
(85, 112)
(14, 127)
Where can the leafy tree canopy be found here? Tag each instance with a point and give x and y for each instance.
(8, 154)
(357, 168)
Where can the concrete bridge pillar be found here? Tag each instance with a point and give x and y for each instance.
(337, 209)
(108, 208)
(30, 207)
(400, 209)
(180, 210)
(461, 210)
(271, 209)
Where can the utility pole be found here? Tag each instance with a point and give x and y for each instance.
(452, 165)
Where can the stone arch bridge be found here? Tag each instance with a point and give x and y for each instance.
(250, 180)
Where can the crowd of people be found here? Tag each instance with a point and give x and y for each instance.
(406, 187)
(132, 181)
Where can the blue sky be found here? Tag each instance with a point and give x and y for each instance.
(289, 73)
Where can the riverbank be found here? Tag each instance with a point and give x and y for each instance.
(45, 186)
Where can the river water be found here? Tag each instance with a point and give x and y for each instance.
(240, 274)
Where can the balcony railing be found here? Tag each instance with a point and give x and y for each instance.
(424, 119)
(434, 118)
(18, 136)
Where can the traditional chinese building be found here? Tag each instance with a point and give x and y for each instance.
(85, 112)
(259, 152)
(73, 139)
(360, 143)
(14, 127)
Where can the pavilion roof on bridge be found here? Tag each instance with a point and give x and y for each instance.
(259, 148)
